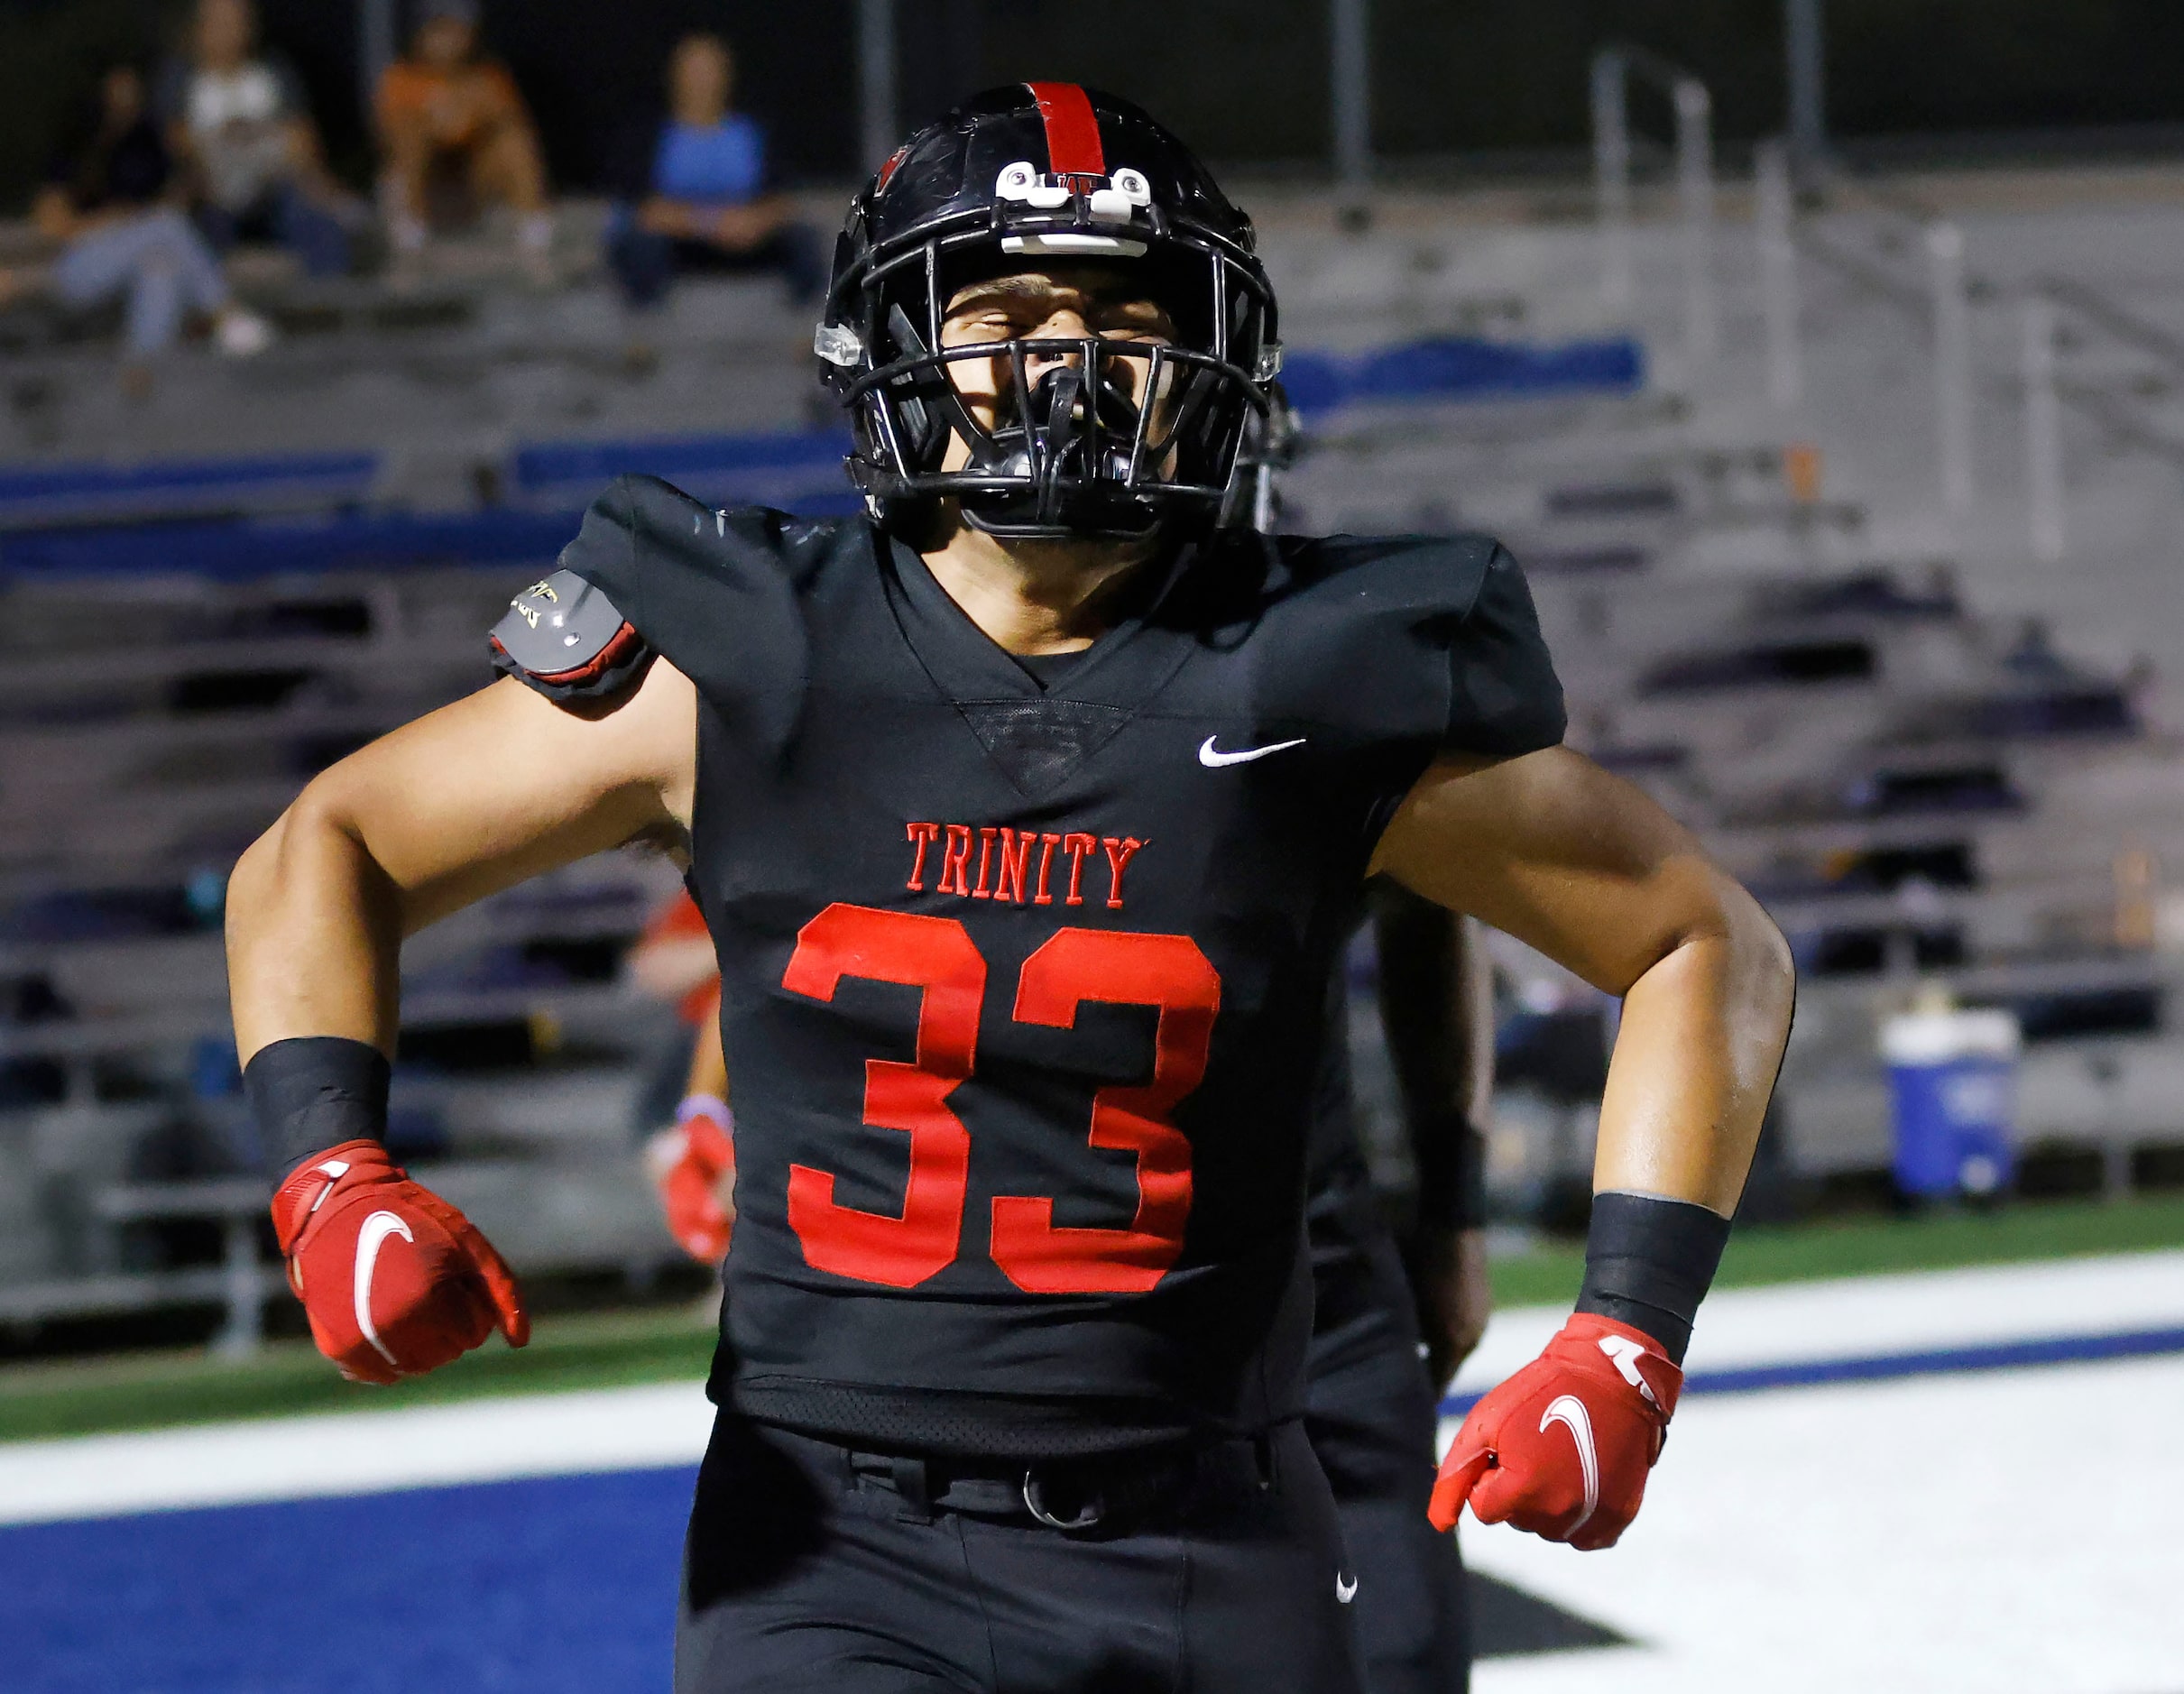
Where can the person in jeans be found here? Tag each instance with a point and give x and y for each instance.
(457, 136)
(694, 190)
(238, 117)
(109, 202)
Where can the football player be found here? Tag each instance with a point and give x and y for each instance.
(1027, 814)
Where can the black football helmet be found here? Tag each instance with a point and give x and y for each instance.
(1118, 440)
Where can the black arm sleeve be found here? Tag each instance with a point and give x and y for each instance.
(1425, 1011)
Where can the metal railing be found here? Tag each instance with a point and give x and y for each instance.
(1614, 70)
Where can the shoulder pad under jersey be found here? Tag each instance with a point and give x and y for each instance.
(566, 639)
(1427, 637)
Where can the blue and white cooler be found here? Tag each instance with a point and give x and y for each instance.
(1953, 1079)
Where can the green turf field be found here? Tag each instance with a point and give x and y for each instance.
(1867, 1247)
(146, 1391)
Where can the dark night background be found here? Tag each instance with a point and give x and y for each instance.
(1245, 79)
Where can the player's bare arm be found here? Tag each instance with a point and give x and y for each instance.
(1581, 865)
(471, 799)
(488, 791)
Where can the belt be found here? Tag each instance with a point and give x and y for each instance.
(1074, 1495)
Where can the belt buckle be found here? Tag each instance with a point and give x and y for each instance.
(1090, 1512)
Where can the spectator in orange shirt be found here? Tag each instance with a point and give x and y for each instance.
(456, 137)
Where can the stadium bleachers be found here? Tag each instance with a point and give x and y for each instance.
(1907, 778)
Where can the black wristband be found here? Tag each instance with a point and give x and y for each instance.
(311, 1092)
(1649, 1262)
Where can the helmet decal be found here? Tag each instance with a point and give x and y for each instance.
(1072, 130)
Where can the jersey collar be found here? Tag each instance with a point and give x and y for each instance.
(1124, 668)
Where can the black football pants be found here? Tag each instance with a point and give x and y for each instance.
(1371, 1415)
(808, 1569)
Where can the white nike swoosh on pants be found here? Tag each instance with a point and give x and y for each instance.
(1570, 1411)
(374, 1236)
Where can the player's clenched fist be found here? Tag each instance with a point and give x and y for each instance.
(693, 1165)
(396, 1281)
(1561, 1448)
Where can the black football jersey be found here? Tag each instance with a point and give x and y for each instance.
(1024, 981)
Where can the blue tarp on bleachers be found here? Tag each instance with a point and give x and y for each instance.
(1461, 367)
(33, 495)
(594, 462)
(795, 471)
(239, 551)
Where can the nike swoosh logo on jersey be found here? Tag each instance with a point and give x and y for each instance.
(1346, 1587)
(374, 1236)
(1213, 760)
(1569, 1411)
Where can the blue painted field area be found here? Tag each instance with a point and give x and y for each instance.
(540, 1586)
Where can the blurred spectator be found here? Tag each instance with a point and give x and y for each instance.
(110, 201)
(238, 117)
(695, 196)
(457, 138)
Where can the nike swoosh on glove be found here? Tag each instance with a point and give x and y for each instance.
(693, 1165)
(395, 1280)
(1561, 1448)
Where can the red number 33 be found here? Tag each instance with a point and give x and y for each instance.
(937, 955)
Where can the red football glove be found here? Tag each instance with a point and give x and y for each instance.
(693, 1165)
(396, 1281)
(1561, 1448)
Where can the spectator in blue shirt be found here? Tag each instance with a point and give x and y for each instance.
(697, 196)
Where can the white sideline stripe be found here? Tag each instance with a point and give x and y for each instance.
(618, 1429)
(1865, 1316)
(355, 1452)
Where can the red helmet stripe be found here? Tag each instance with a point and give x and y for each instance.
(1072, 131)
